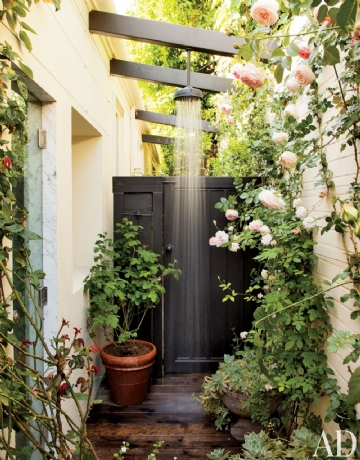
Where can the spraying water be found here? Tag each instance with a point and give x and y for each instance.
(189, 205)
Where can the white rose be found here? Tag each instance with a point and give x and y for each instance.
(297, 202)
(231, 214)
(279, 137)
(264, 12)
(234, 247)
(304, 75)
(243, 335)
(309, 222)
(290, 109)
(288, 159)
(266, 239)
(301, 212)
(264, 274)
(221, 237)
(271, 200)
(212, 241)
(255, 225)
(292, 85)
(264, 230)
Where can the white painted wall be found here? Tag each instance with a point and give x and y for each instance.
(83, 153)
(329, 246)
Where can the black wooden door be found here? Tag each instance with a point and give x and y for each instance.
(189, 338)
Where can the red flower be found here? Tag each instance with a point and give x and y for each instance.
(64, 389)
(77, 331)
(6, 163)
(94, 368)
(64, 322)
(94, 348)
(26, 343)
(65, 336)
(79, 342)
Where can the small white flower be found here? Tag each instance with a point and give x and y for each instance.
(234, 247)
(301, 212)
(264, 274)
(268, 387)
(214, 222)
(309, 222)
(266, 239)
(123, 449)
(290, 110)
(273, 242)
(255, 225)
(260, 296)
(264, 230)
(266, 287)
(297, 202)
(231, 228)
(243, 335)
(280, 137)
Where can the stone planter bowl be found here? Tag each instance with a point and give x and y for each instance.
(235, 401)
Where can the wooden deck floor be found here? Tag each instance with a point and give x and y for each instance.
(168, 414)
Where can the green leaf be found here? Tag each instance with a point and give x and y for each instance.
(23, 89)
(25, 39)
(26, 69)
(279, 73)
(331, 55)
(347, 14)
(286, 62)
(277, 53)
(246, 52)
(27, 27)
(323, 11)
(354, 388)
(331, 2)
(11, 19)
(30, 235)
(292, 49)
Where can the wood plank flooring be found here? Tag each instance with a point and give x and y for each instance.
(168, 414)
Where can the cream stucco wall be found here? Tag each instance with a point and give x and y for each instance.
(92, 136)
(329, 247)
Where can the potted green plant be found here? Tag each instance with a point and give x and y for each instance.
(240, 387)
(124, 283)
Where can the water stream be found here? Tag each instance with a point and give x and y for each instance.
(189, 223)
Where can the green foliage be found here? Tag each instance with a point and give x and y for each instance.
(238, 374)
(259, 446)
(124, 283)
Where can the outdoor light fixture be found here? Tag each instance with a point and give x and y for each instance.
(188, 92)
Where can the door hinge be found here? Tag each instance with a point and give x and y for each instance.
(43, 296)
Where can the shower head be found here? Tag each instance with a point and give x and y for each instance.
(183, 94)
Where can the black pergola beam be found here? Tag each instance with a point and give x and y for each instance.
(170, 77)
(163, 119)
(151, 139)
(161, 33)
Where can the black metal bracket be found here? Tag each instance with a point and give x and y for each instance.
(136, 214)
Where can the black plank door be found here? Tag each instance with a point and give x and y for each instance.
(191, 336)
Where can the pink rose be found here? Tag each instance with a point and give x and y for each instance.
(265, 12)
(304, 52)
(255, 225)
(231, 228)
(271, 199)
(225, 108)
(212, 241)
(279, 137)
(292, 85)
(252, 76)
(236, 70)
(304, 75)
(230, 120)
(231, 214)
(301, 212)
(288, 159)
(297, 202)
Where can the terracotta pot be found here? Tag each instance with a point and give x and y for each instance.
(128, 377)
(234, 402)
